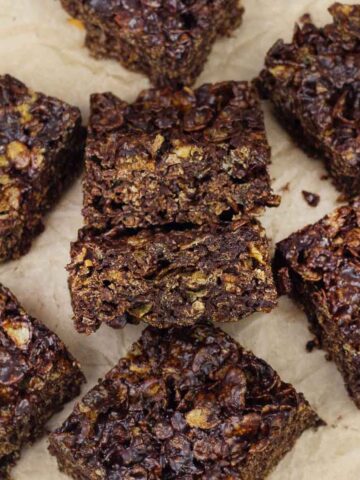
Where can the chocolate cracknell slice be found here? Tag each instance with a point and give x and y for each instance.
(186, 403)
(314, 83)
(191, 156)
(41, 145)
(172, 277)
(167, 40)
(320, 267)
(37, 376)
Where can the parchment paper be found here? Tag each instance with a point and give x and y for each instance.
(40, 47)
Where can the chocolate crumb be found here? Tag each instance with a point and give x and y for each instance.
(311, 345)
(285, 188)
(311, 199)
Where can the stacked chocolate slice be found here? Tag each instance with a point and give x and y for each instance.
(171, 185)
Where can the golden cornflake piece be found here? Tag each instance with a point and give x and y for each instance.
(76, 23)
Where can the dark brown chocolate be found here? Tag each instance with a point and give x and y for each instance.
(314, 83)
(37, 376)
(41, 145)
(320, 267)
(312, 199)
(184, 404)
(167, 40)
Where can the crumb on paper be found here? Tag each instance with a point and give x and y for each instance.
(76, 23)
(311, 345)
(342, 198)
(285, 188)
(312, 199)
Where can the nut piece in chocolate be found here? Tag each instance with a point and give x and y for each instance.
(41, 143)
(167, 40)
(37, 376)
(186, 403)
(314, 84)
(191, 156)
(166, 278)
(319, 266)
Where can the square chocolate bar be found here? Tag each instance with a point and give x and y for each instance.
(314, 83)
(41, 148)
(185, 403)
(320, 267)
(167, 40)
(191, 156)
(172, 277)
(37, 376)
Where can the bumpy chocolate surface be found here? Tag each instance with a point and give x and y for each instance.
(314, 83)
(184, 404)
(185, 157)
(37, 375)
(320, 267)
(168, 278)
(40, 151)
(167, 40)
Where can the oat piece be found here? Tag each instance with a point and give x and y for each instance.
(184, 157)
(37, 376)
(167, 40)
(185, 403)
(41, 141)
(168, 278)
(314, 83)
(319, 266)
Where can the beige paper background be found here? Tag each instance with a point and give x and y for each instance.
(39, 47)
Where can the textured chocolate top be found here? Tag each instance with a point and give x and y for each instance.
(33, 128)
(325, 258)
(185, 404)
(174, 15)
(30, 356)
(185, 157)
(316, 78)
